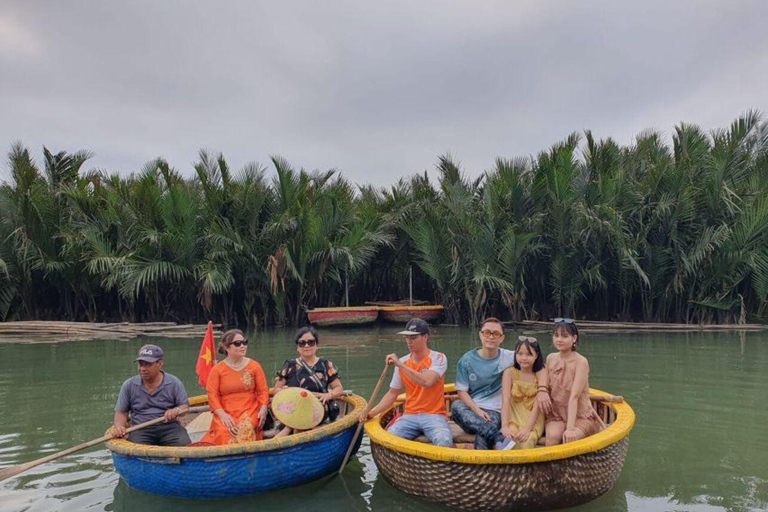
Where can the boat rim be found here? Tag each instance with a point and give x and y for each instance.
(342, 309)
(616, 431)
(411, 308)
(125, 447)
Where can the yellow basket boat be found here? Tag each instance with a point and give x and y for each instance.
(542, 478)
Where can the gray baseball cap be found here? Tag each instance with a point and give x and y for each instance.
(415, 326)
(150, 353)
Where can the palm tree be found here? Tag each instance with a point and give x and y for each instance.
(655, 230)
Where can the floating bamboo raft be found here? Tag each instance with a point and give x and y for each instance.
(642, 326)
(54, 332)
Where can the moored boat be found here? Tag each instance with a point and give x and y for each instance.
(353, 315)
(238, 469)
(403, 312)
(542, 478)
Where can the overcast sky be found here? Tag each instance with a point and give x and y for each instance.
(376, 90)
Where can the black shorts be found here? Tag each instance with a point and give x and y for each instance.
(162, 434)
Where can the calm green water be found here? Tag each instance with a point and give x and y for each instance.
(700, 442)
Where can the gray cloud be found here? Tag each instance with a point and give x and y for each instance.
(377, 91)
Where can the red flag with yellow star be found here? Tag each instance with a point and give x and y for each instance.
(206, 359)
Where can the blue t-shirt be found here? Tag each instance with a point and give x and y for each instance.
(142, 405)
(481, 377)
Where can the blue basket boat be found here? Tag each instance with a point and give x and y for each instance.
(238, 469)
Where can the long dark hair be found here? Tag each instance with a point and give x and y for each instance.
(533, 346)
(304, 330)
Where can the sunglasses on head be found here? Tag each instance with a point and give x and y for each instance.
(528, 339)
(239, 343)
(310, 342)
(491, 335)
(564, 320)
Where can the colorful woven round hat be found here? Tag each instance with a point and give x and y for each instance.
(298, 408)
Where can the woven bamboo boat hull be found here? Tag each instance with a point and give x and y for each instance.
(493, 487)
(242, 469)
(324, 317)
(400, 314)
(543, 478)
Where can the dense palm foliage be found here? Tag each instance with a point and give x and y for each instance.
(654, 231)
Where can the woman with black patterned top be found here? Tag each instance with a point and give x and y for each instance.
(312, 373)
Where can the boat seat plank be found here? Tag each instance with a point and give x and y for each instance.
(199, 426)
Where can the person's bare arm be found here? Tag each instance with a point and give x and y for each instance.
(385, 403)
(118, 424)
(425, 379)
(506, 396)
(174, 412)
(542, 393)
(335, 391)
(522, 436)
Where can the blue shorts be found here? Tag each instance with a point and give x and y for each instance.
(434, 426)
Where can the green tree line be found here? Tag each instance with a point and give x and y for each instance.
(664, 229)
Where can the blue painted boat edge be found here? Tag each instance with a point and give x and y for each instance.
(255, 473)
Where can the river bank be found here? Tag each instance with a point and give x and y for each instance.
(606, 327)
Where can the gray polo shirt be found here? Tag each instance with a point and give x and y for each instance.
(144, 406)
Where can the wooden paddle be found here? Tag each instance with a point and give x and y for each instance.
(365, 412)
(20, 468)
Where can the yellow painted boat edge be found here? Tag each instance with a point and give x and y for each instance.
(619, 429)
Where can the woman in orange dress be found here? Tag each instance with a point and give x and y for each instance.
(237, 394)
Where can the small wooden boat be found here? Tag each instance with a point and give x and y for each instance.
(238, 469)
(353, 315)
(542, 478)
(403, 312)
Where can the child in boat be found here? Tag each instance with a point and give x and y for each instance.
(572, 416)
(521, 418)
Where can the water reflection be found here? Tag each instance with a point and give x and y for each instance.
(344, 492)
(699, 443)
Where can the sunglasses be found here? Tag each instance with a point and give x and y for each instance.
(310, 342)
(239, 343)
(492, 335)
(528, 339)
(564, 320)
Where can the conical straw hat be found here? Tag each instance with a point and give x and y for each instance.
(298, 408)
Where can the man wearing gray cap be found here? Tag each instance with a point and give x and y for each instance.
(151, 394)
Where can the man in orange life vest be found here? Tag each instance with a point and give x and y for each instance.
(422, 372)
